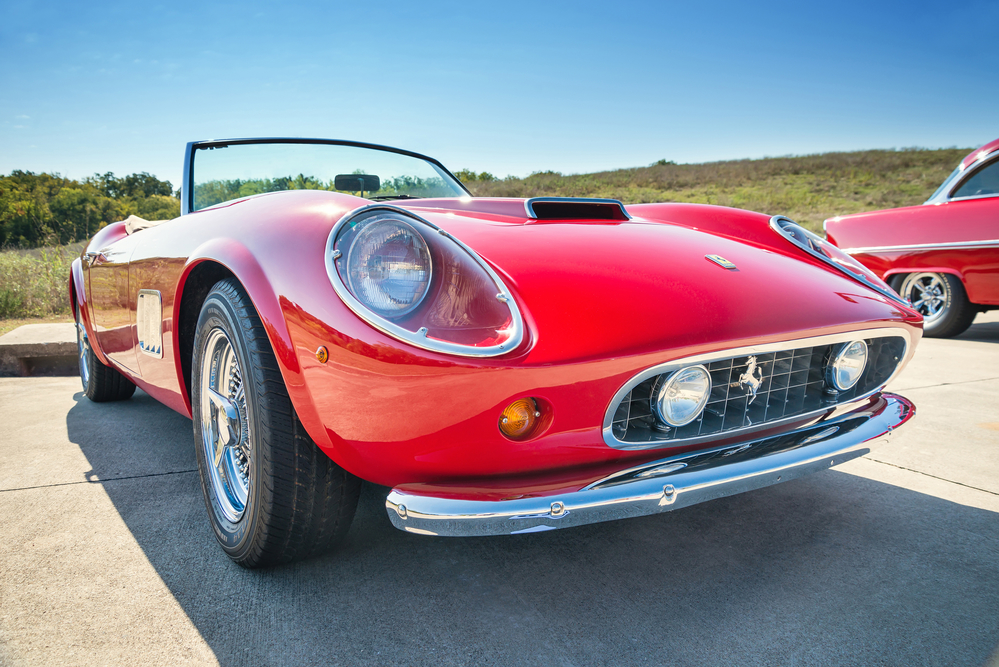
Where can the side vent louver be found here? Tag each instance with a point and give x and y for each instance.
(572, 208)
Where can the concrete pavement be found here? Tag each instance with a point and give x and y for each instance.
(107, 557)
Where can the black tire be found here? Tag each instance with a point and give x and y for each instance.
(100, 383)
(940, 298)
(272, 495)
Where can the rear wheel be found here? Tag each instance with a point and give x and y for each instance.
(100, 383)
(940, 298)
(272, 495)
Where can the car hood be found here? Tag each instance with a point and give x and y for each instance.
(599, 288)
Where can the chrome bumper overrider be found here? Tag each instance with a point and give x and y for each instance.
(664, 485)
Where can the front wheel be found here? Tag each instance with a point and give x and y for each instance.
(272, 495)
(940, 298)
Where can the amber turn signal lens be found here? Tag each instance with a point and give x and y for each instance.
(322, 355)
(519, 419)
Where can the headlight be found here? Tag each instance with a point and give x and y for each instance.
(682, 396)
(417, 283)
(818, 247)
(847, 365)
(388, 267)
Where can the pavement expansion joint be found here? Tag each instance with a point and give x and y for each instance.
(100, 480)
(926, 474)
(948, 384)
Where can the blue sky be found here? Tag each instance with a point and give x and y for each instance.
(508, 87)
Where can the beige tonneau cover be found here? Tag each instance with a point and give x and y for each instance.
(134, 223)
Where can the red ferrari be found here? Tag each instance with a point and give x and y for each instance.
(331, 311)
(942, 256)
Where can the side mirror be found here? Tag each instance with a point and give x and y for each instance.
(357, 183)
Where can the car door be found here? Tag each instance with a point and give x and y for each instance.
(972, 215)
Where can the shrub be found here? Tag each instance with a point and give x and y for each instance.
(35, 284)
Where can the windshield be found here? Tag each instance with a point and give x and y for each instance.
(223, 172)
(943, 186)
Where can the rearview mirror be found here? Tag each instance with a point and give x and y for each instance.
(357, 183)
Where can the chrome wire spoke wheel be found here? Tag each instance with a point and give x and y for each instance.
(82, 348)
(928, 293)
(225, 426)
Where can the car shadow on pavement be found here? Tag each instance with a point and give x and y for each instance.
(982, 332)
(830, 569)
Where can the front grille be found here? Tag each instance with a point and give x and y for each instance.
(792, 384)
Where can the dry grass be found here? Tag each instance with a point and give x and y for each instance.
(808, 189)
(34, 283)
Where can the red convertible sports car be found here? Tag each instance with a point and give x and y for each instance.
(942, 256)
(331, 311)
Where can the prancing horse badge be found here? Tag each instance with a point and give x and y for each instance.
(749, 379)
(721, 261)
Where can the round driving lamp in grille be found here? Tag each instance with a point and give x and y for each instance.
(680, 397)
(847, 365)
(388, 267)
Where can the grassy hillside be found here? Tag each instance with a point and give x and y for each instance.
(808, 189)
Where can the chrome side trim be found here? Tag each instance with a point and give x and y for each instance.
(529, 204)
(419, 338)
(972, 197)
(859, 277)
(959, 245)
(668, 487)
(670, 366)
(149, 322)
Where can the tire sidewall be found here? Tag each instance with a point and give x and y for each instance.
(235, 538)
(955, 302)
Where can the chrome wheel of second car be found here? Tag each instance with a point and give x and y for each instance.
(941, 300)
(928, 293)
(225, 429)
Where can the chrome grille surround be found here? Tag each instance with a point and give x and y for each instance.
(793, 389)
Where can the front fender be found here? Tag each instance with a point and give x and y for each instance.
(240, 261)
(78, 296)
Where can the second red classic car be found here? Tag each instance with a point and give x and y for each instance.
(330, 311)
(942, 256)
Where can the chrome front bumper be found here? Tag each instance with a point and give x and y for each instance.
(663, 485)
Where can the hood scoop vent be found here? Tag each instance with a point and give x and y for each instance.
(572, 208)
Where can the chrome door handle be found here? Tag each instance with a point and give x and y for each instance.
(92, 257)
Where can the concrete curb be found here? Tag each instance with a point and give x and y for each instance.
(39, 349)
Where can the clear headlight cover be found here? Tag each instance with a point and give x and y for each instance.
(818, 247)
(388, 267)
(417, 283)
(679, 398)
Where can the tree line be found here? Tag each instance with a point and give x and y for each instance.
(47, 209)
(214, 192)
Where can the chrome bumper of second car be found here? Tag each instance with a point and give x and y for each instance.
(664, 485)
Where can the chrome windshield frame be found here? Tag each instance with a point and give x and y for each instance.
(187, 189)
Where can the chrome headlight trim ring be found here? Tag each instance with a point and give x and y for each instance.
(419, 339)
